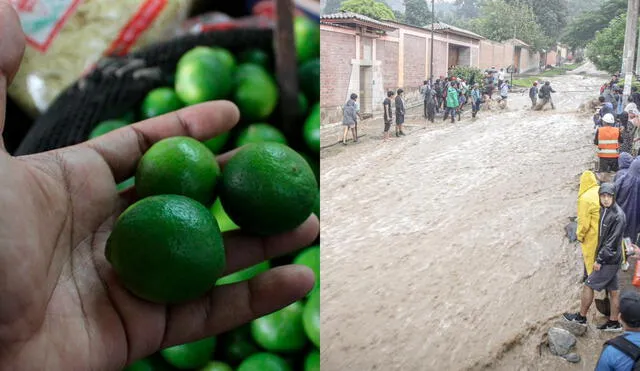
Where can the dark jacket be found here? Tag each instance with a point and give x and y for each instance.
(533, 92)
(349, 115)
(612, 225)
(399, 106)
(545, 91)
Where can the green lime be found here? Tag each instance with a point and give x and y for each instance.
(311, 258)
(226, 57)
(106, 126)
(216, 366)
(201, 76)
(160, 101)
(245, 274)
(303, 105)
(225, 223)
(166, 249)
(264, 362)
(312, 361)
(260, 132)
(268, 188)
(311, 318)
(256, 56)
(250, 72)
(281, 331)
(144, 364)
(126, 184)
(190, 355)
(216, 144)
(307, 38)
(237, 344)
(180, 166)
(309, 79)
(256, 92)
(311, 129)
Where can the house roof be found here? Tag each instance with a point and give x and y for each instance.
(520, 42)
(440, 26)
(354, 18)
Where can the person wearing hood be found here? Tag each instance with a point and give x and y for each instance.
(608, 255)
(624, 161)
(628, 197)
(399, 113)
(452, 103)
(350, 118)
(608, 140)
(588, 217)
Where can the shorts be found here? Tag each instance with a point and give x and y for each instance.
(604, 279)
(504, 97)
(608, 165)
(387, 126)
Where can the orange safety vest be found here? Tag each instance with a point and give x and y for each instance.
(608, 144)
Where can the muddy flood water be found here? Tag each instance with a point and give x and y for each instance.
(446, 250)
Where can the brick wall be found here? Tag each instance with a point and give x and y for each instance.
(387, 51)
(338, 50)
(414, 61)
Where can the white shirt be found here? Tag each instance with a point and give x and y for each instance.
(501, 75)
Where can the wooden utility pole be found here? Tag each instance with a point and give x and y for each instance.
(286, 64)
(629, 50)
(433, 20)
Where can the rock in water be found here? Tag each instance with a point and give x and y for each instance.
(561, 341)
(572, 357)
(576, 329)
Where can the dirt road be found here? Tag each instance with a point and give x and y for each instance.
(445, 249)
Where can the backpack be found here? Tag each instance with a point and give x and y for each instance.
(627, 347)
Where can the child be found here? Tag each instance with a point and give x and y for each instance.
(533, 94)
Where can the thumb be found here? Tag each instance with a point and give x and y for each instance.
(12, 43)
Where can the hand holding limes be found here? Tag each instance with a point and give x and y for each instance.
(65, 299)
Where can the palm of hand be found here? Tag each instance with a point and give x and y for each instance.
(62, 305)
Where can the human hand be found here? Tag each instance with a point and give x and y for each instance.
(62, 306)
(596, 266)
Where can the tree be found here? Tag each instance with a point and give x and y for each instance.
(371, 8)
(582, 29)
(332, 6)
(551, 15)
(501, 21)
(605, 51)
(468, 9)
(577, 7)
(416, 13)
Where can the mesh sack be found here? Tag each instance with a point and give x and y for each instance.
(118, 85)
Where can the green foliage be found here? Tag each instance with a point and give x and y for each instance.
(582, 29)
(605, 51)
(551, 15)
(417, 13)
(470, 74)
(501, 21)
(371, 8)
(467, 9)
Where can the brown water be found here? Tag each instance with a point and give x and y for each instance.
(445, 249)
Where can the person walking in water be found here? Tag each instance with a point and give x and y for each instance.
(476, 99)
(399, 113)
(608, 140)
(588, 218)
(388, 115)
(545, 95)
(452, 104)
(533, 94)
(350, 118)
(430, 103)
(607, 263)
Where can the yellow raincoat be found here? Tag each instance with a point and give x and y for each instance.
(588, 217)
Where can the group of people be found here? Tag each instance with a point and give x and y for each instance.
(608, 227)
(543, 93)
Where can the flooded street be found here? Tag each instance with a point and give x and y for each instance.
(445, 249)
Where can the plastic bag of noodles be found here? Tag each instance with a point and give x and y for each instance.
(65, 38)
